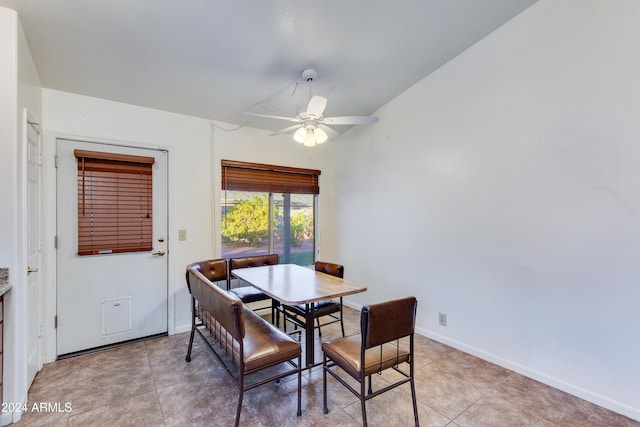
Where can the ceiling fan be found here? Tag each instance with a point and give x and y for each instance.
(310, 124)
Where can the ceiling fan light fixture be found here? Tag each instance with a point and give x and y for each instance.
(310, 139)
(300, 135)
(320, 135)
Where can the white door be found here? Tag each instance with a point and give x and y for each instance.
(108, 298)
(34, 247)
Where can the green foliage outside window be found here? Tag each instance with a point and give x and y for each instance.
(248, 222)
(301, 227)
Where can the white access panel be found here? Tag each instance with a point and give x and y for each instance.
(116, 316)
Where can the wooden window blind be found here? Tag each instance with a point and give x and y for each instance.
(114, 203)
(243, 176)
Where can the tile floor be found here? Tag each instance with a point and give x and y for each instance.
(148, 383)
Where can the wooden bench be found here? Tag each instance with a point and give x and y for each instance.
(251, 342)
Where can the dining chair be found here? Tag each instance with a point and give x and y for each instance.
(321, 309)
(376, 349)
(249, 294)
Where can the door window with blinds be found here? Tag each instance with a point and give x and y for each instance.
(269, 209)
(114, 203)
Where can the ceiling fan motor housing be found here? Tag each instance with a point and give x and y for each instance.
(309, 75)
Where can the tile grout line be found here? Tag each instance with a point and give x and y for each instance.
(155, 384)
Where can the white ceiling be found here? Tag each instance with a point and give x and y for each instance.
(216, 58)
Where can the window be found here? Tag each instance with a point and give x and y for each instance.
(268, 209)
(114, 203)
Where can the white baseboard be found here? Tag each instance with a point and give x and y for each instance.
(352, 305)
(180, 329)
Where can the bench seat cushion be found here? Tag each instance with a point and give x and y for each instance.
(264, 344)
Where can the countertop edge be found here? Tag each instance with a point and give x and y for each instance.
(4, 288)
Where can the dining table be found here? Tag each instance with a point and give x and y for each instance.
(292, 284)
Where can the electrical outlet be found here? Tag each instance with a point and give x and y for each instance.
(182, 234)
(442, 319)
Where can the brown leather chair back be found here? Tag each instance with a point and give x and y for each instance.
(330, 268)
(226, 308)
(253, 261)
(387, 321)
(213, 269)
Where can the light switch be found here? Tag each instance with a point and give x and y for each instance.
(182, 234)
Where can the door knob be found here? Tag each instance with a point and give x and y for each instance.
(159, 253)
(31, 270)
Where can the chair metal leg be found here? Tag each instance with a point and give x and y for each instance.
(363, 401)
(369, 390)
(412, 382)
(193, 328)
(319, 330)
(415, 406)
(240, 400)
(299, 413)
(341, 317)
(324, 385)
(188, 358)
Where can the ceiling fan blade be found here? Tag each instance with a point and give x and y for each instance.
(332, 134)
(267, 116)
(285, 130)
(316, 106)
(350, 120)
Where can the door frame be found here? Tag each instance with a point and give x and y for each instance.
(50, 189)
(29, 122)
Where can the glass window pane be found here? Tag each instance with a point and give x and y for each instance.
(245, 224)
(294, 231)
(246, 232)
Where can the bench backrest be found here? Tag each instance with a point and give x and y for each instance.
(330, 268)
(226, 308)
(253, 261)
(214, 270)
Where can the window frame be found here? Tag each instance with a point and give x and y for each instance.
(271, 179)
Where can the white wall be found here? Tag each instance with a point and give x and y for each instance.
(195, 146)
(502, 190)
